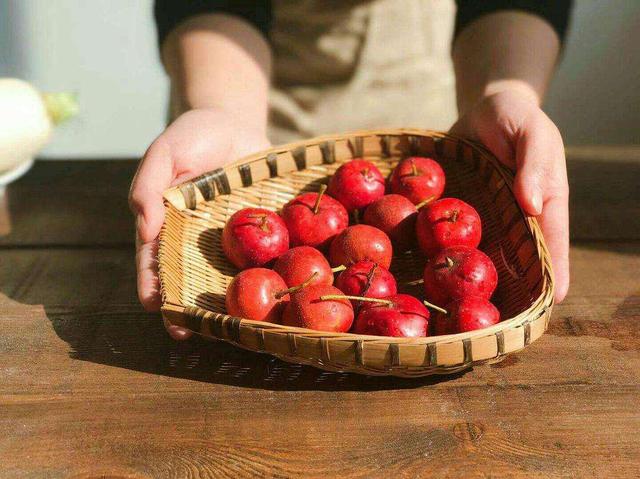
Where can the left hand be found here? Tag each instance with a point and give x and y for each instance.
(514, 128)
(198, 141)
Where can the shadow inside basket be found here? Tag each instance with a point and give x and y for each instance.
(505, 239)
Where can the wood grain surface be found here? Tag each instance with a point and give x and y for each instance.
(92, 386)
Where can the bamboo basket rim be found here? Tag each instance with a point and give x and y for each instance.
(539, 306)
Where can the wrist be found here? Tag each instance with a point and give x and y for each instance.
(253, 119)
(252, 125)
(517, 88)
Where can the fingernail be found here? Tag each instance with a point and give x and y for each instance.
(179, 334)
(536, 202)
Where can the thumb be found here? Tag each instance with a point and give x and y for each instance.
(538, 145)
(154, 175)
(527, 186)
(145, 199)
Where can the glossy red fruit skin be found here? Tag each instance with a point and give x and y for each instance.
(442, 324)
(472, 273)
(307, 310)
(406, 318)
(367, 279)
(307, 228)
(252, 295)
(428, 183)
(356, 184)
(466, 314)
(396, 216)
(249, 241)
(476, 313)
(298, 264)
(447, 222)
(361, 243)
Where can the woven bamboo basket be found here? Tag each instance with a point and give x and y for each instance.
(194, 273)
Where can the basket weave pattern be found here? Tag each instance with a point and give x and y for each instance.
(194, 273)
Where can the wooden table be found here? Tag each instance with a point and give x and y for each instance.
(92, 385)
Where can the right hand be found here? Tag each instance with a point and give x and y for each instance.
(198, 141)
(522, 137)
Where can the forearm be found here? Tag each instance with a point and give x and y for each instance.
(504, 51)
(219, 61)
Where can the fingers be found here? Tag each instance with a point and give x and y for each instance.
(528, 187)
(177, 333)
(555, 228)
(154, 175)
(538, 150)
(149, 286)
(148, 282)
(145, 199)
(541, 189)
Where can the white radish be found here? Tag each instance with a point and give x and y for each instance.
(27, 118)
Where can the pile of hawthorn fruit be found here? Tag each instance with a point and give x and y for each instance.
(310, 241)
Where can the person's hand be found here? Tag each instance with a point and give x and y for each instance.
(196, 142)
(514, 128)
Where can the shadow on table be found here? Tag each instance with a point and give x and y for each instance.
(137, 341)
(604, 205)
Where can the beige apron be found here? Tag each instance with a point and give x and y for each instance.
(342, 65)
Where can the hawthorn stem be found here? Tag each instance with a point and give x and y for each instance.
(425, 202)
(414, 170)
(437, 308)
(263, 221)
(454, 217)
(337, 269)
(415, 281)
(294, 289)
(356, 298)
(447, 264)
(370, 274)
(316, 206)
